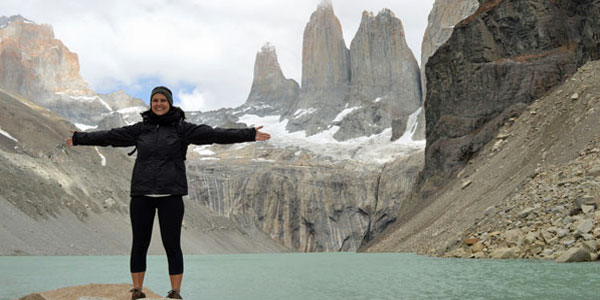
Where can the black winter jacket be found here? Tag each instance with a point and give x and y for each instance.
(159, 166)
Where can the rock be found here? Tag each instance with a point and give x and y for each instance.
(490, 210)
(269, 86)
(466, 184)
(513, 237)
(587, 236)
(478, 246)
(585, 227)
(575, 96)
(479, 255)
(470, 241)
(547, 252)
(34, 296)
(504, 253)
(109, 203)
(524, 213)
(596, 232)
(593, 246)
(586, 209)
(531, 237)
(92, 292)
(578, 254)
(586, 200)
(568, 242)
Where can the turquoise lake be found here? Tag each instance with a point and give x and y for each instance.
(319, 276)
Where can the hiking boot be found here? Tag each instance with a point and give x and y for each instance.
(174, 294)
(136, 293)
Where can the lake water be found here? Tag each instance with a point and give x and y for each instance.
(319, 276)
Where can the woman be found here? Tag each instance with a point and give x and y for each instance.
(159, 180)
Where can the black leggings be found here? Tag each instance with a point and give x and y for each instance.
(170, 216)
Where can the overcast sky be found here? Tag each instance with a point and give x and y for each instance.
(203, 50)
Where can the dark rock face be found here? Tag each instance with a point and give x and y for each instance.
(506, 54)
(269, 87)
(385, 84)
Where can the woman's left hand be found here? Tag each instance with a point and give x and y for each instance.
(261, 136)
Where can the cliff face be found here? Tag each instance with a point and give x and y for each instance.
(35, 64)
(301, 200)
(385, 78)
(441, 22)
(325, 73)
(271, 91)
(506, 54)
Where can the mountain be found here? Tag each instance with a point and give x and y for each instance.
(39, 67)
(269, 87)
(509, 123)
(325, 73)
(384, 87)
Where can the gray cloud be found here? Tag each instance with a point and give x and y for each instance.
(206, 46)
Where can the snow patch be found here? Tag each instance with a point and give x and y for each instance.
(376, 100)
(301, 112)
(6, 134)
(345, 112)
(83, 98)
(132, 109)
(411, 128)
(105, 104)
(84, 127)
(101, 156)
(260, 159)
(372, 149)
(202, 150)
(209, 158)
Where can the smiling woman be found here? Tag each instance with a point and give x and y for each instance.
(159, 176)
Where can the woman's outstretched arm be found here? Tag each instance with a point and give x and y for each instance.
(204, 134)
(116, 137)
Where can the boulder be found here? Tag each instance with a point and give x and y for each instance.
(504, 253)
(577, 254)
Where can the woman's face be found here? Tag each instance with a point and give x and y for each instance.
(160, 104)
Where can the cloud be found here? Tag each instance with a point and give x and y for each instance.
(209, 45)
(192, 102)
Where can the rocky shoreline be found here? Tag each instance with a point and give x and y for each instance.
(554, 217)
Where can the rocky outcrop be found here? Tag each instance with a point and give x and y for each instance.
(500, 59)
(440, 25)
(441, 22)
(270, 91)
(34, 64)
(385, 84)
(394, 184)
(325, 73)
(90, 292)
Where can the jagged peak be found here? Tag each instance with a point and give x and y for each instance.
(5, 21)
(267, 48)
(325, 4)
(386, 12)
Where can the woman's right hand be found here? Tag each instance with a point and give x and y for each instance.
(70, 140)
